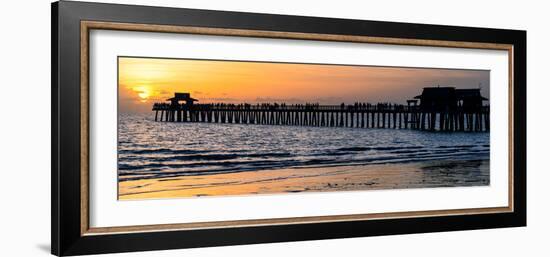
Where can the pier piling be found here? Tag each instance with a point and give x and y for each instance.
(392, 116)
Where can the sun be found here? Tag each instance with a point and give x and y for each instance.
(143, 93)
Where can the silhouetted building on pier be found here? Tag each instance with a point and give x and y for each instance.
(470, 99)
(444, 99)
(185, 97)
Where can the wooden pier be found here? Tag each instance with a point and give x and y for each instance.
(440, 109)
(359, 115)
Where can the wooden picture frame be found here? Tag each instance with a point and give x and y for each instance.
(71, 24)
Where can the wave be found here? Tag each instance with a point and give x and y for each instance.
(149, 150)
(222, 163)
(160, 151)
(379, 148)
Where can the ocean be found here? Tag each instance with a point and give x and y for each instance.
(160, 150)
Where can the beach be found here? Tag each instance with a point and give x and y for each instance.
(428, 174)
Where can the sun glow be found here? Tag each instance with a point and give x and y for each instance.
(143, 92)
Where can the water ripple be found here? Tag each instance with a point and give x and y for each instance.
(154, 149)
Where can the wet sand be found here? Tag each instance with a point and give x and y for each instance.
(340, 178)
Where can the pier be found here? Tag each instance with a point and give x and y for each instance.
(440, 109)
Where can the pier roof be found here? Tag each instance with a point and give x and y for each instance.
(436, 92)
(469, 93)
(182, 97)
(442, 92)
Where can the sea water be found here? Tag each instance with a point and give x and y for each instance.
(149, 149)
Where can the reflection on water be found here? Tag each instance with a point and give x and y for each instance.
(160, 150)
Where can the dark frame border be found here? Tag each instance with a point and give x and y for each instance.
(67, 238)
(85, 30)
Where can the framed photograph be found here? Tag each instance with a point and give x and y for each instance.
(178, 128)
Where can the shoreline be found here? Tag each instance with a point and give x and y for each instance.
(424, 174)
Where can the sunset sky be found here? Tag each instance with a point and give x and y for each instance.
(144, 81)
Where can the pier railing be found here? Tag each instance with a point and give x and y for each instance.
(359, 115)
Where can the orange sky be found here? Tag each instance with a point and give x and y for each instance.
(143, 81)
